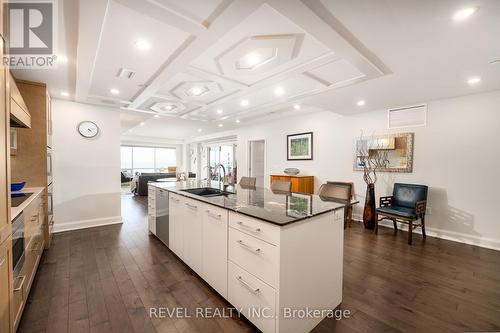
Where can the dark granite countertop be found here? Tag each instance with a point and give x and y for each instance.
(261, 203)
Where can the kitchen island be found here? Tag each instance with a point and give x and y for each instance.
(276, 257)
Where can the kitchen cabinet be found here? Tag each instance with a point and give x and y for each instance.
(5, 230)
(214, 248)
(300, 184)
(34, 244)
(5, 285)
(261, 266)
(176, 235)
(192, 233)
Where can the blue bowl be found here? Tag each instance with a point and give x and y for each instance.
(14, 187)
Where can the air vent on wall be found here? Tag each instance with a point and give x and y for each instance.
(408, 116)
(125, 73)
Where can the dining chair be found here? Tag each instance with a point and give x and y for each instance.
(407, 204)
(247, 181)
(339, 191)
(284, 186)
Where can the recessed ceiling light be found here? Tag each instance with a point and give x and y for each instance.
(238, 121)
(62, 59)
(252, 59)
(473, 80)
(114, 91)
(220, 125)
(141, 124)
(279, 91)
(157, 116)
(143, 45)
(244, 102)
(196, 91)
(199, 130)
(296, 107)
(464, 13)
(220, 111)
(361, 103)
(64, 94)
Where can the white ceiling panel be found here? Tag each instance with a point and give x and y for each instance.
(199, 11)
(335, 72)
(197, 89)
(123, 27)
(264, 29)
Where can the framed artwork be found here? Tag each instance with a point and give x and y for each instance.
(300, 146)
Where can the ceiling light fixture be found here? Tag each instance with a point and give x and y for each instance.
(196, 91)
(238, 121)
(114, 91)
(252, 59)
(279, 91)
(220, 111)
(64, 94)
(157, 116)
(473, 81)
(244, 102)
(464, 13)
(143, 45)
(296, 107)
(220, 125)
(62, 59)
(199, 130)
(141, 124)
(361, 103)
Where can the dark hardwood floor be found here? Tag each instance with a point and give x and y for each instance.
(106, 279)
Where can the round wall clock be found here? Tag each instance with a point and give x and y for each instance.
(88, 129)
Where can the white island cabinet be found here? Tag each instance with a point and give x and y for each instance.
(273, 273)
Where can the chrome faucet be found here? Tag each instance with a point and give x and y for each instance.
(223, 170)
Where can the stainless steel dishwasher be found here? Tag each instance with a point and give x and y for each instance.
(162, 215)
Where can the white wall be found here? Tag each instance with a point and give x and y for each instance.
(86, 171)
(457, 155)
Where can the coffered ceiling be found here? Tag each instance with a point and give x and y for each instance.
(209, 65)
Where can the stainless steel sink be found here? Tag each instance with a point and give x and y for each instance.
(207, 192)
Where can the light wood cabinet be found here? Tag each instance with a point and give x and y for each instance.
(4, 152)
(5, 285)
(300, 184)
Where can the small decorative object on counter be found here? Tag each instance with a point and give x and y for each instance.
(291, 171)
(14, 187)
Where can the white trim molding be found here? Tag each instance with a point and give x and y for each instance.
(453, 236)
(83, 224)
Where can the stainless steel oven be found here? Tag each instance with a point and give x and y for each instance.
(17, 244)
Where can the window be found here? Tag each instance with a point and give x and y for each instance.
(224, 155)
(146, 159)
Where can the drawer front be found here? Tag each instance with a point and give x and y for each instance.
(256, 299)
(254, 255)
(262, 230)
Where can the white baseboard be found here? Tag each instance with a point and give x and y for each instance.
(83, 224)
(488, 243)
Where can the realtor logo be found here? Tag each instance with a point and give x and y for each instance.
(32, 34)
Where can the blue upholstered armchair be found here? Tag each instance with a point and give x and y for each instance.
(406, 205)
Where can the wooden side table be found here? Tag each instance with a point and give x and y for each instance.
(300, 184)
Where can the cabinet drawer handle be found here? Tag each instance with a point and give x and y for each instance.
(248, 286)
(248, 247)
(248, 227)
(4, 259)
(191, 206)
(20, 287)
(215, 216)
